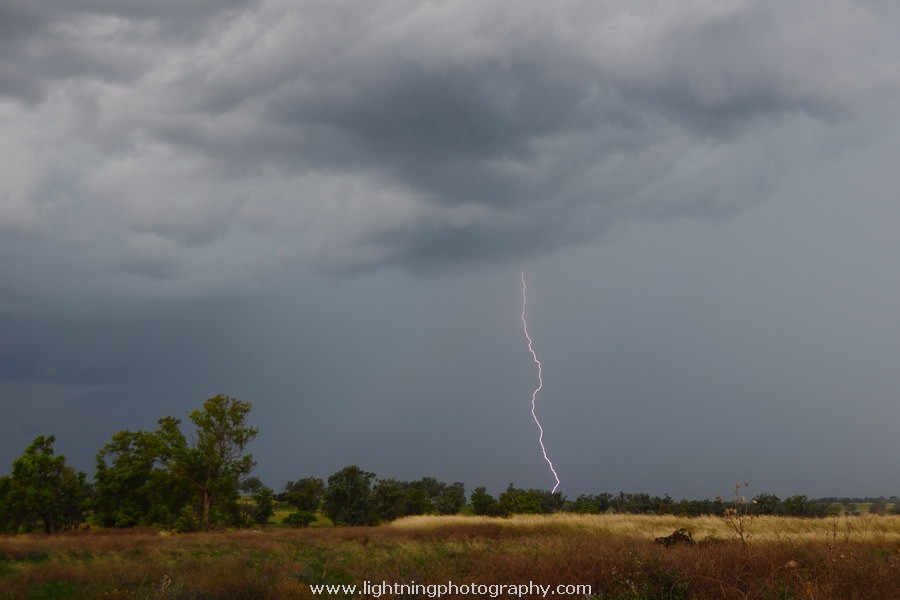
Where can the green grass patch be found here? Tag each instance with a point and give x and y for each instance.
(53, 590)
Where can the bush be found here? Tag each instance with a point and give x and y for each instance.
(301, 518)
(878, 506)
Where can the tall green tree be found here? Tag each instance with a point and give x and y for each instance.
(216, 462)
(44, 491)
(348, 498)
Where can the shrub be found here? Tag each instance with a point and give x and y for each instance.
(301, 518)
(878, 506)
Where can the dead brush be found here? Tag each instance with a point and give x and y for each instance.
(738, 517)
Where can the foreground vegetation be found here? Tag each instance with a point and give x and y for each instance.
(846, 558)
(169, 515)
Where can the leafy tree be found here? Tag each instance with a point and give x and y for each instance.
(391, 499)
(395, 499)
(515, 501)
(215, 464)
(581, 506)
(588, 504)
(482, 502)
(421, 495)
(348, 498)
(440, 498)
(251, 485)
(306, 494)
(639, 503)
(263, 505)
(602, 501)
(431, 486)
(695, 508)
(133, 486)
(801, 506)
(521, 501)
(44, 489)
(451, 499)
(766, 504)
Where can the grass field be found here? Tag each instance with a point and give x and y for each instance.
(866, 528)
(845, 558)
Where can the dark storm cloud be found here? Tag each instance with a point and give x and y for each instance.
(174, 149)
(161, 140)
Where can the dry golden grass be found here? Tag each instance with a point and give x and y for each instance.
(855, 558)
(866, 528)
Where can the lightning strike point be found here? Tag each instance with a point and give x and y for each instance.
(539, 387)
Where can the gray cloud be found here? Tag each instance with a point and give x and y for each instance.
(414, 134)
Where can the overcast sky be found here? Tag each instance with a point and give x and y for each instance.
(323, 207)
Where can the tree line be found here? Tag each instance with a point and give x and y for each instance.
(164, 479)
(142, 478)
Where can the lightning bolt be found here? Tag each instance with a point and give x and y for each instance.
(539, 387)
